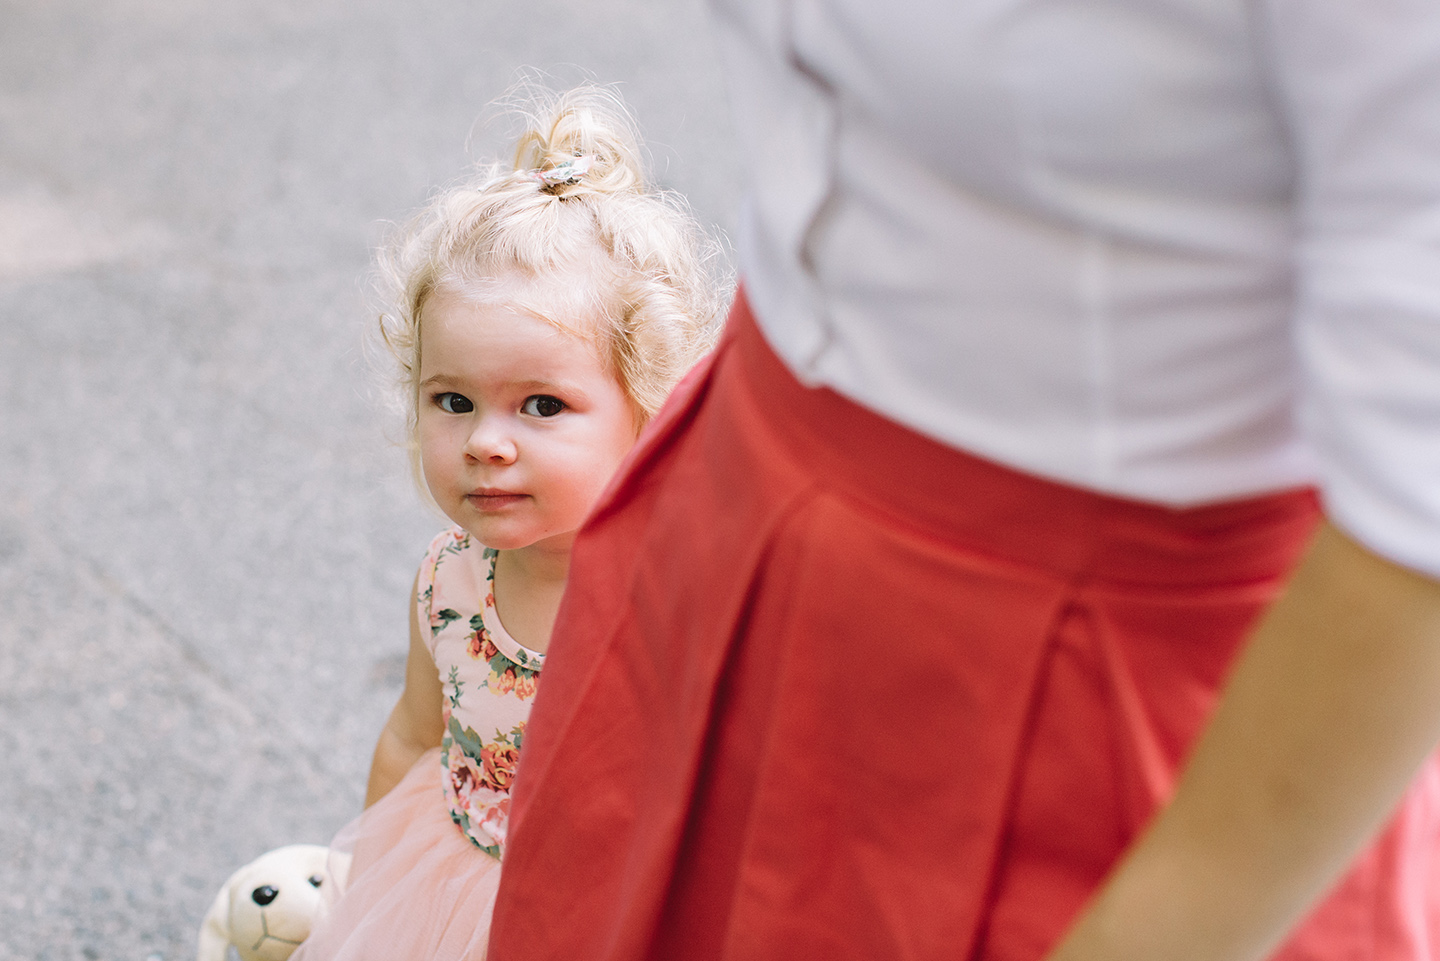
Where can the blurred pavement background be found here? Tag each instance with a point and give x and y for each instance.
(207, 532)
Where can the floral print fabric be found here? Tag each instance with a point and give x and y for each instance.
(488, 680)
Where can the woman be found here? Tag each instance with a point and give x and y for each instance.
(935, 575)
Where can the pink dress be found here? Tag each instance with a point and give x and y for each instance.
(427, 855)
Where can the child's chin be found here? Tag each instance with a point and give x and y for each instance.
(501, 536)
(491, 539)
(513, 537)
(501, 539)
(546, 542)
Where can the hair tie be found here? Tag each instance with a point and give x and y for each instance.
(564, 173)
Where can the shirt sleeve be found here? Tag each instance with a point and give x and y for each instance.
(1360, 86)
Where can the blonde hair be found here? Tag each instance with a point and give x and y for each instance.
(575, 200)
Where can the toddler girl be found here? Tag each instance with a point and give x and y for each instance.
(543, 315)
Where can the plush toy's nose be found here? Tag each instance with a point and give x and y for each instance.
(263, 895)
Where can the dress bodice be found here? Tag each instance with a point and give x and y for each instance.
(488, 679)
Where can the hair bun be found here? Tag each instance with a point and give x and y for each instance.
(578, 142)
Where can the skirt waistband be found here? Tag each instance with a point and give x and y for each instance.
(1003, 512)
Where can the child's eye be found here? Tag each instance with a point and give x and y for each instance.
(453, 403)
(542, 405)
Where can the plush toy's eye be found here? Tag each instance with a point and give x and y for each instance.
(263, 895)
(315, 880)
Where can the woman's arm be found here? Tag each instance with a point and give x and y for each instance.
(415, 725)
(1331, 708)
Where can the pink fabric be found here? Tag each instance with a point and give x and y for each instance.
(418, 890)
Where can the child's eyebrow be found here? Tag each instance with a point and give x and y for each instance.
(543, 386)
(531, 385)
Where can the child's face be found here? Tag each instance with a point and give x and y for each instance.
(519, 424)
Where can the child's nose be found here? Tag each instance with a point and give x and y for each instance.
(490, 442)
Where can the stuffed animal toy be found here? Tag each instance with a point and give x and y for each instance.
(266, 908)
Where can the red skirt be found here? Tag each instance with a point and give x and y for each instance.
(824, 688)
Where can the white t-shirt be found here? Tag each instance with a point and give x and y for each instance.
(1176, 250)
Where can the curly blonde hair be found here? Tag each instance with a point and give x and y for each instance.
(575, 203)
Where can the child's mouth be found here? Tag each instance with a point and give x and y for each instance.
(493, 499)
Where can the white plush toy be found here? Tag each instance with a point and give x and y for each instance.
(267, 907)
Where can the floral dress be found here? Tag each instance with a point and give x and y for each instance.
(489, 684)
(426, 856)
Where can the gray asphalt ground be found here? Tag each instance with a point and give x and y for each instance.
(207, 531)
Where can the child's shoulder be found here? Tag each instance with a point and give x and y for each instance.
(449, 545)
(456, 566)
(452, 541)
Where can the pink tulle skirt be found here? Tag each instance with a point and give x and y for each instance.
(417, 888)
